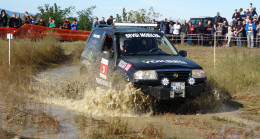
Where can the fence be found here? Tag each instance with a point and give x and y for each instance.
(38, 32)
(195, 38)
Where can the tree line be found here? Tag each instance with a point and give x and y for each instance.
(85, 17)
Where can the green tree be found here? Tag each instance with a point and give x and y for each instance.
(142, 15)
(118, 18)
(55, 12)
(86, 18)
(124, 15)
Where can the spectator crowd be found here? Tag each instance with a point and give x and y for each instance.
(17, 22)
(243, 27)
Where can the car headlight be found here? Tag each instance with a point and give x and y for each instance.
(198, 73)
(145, 75)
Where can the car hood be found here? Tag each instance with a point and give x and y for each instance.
(160, 62)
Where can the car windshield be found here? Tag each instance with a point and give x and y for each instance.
(196, 21)
(145, 44)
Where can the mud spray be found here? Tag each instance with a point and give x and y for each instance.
(66, 87)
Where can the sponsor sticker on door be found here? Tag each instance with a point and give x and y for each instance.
(103, 68)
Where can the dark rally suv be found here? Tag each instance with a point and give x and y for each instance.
(144, 57)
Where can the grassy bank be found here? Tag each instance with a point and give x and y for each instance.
(18, 111)
(237, 72)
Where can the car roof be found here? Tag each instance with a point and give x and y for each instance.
(127, 29)
(132, 29)
(204, 17)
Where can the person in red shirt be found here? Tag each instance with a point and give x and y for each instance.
(191, 31)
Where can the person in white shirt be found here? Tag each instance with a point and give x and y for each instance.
(230, 33)
(176, 30)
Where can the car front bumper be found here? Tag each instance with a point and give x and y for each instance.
(164, 93)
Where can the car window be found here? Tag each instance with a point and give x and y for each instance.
(145, 44)
(95, 40)
(108, 43)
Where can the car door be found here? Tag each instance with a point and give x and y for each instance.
(107, 60)
(91, 54)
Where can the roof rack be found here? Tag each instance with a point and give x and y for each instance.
(135, 24)
(103, 25)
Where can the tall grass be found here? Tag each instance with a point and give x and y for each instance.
(27, 57)
(36, 53)
(237, 71)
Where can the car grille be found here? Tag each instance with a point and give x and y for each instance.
(182, 75)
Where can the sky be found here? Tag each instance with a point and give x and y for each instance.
(172, 9)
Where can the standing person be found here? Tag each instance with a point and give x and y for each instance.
(66, 24)
(248, 13)
(200, 32)
(153, 22)
(225, 30)
(247, 19)
(217, 19)
(236, 17)
(213, 33)
(19, 20)
(50, 20)
(184, 31)
(176, 30)
(240, 12)
(191, 32)
(74, 25)
(163, 25)
(26, 18)
(52, 24)
(254, 12)
(13, 22)
(244, 39)
(208, 28)
(41, 22)
(219, 35)
(230, 33)
(102, 21)
(110, 20)
(250, 7)
(32, 20)
(250, 27)
(239, 33)
(3, 19)
(258, 36)
(95, 23)
(170, 27)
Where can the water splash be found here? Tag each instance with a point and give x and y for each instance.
(66, 87)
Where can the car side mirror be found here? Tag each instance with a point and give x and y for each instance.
(183, 53)
(107, 54)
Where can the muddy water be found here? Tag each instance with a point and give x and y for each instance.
(69, 94)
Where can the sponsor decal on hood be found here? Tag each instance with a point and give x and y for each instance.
(165, 61)
(124, 65)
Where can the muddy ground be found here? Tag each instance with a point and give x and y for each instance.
(86, 111)
(76, 104)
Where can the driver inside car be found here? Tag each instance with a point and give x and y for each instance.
(123, 47)
(147, 44)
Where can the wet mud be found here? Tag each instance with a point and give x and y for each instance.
(68, 93)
